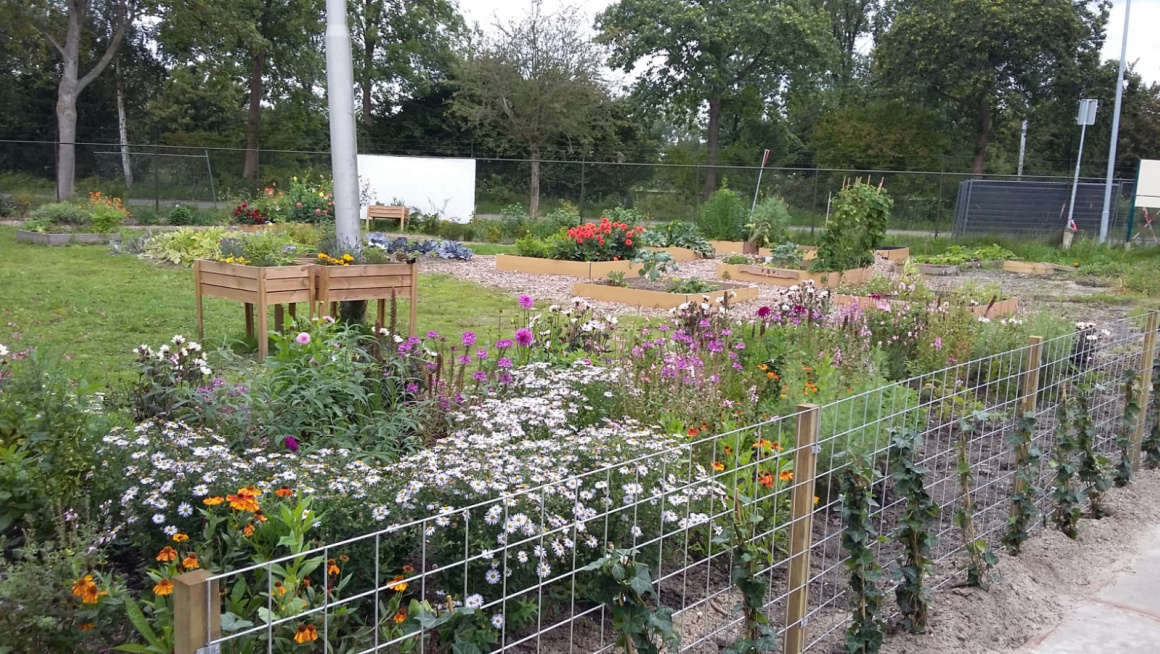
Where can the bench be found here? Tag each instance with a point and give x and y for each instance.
(380, 212)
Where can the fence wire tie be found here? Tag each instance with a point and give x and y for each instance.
(816, 448)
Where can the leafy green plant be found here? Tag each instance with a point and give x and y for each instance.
(750, 548)
(691, 286)
(1067, 499)
(1150, 448)
(785, 255)
(736, 259)
(653, 264)
(864, 635)
(1128, 422)
(1026, 477)
(62, 213)
(625, 587)
(980, 558)
(677, 234)
(855, 228)
(722, 216)
(769, 222)
(184, 246)
(532, 246)
(106, 219)
(180, 215)
(957, 255)
(40, 225)
(616, 278)
(913, 532)
(1092, 465)
(461, 630)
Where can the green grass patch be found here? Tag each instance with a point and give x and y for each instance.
(86, 304)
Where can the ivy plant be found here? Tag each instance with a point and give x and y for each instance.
(864, 635)
(626, 588)
(751, 548)
(1127, 426)
(980, 558)
(914, 531)
(1023, 500)
(1150, 448)
(1065, 496)
(1092, 465)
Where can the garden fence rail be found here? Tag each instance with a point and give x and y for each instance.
(530, 582)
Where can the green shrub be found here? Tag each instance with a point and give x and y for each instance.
(677, 234)
(769, 223)
(62, 213)
(183, 246)
(513, 220)
(42, 225)
(561, 219)
(624, 215)
(856, 227)
(722, 217)
(180, 215)
(530, 246)
(146, 216)
(106, 219)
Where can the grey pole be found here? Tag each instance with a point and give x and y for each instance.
(1022, 147)
(343, 148)
(1105, 214)
(1075, 184)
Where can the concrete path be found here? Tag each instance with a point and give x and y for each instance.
(1122, 618)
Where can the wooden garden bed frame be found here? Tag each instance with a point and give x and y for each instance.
(377, 282)
(255, 287)
(791, 276)
(659, 299)
(37, 238)
(585, 269)
(679, 255)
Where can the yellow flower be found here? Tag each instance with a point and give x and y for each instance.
(213, 501)
(331, 567)
(167, 554)
(248, 530)
(718, 466)
(163, 587)
(400, 616)
(306, 634)
(786, 476)
(398, 585)
(86, 589)
(190, 562)
(180, 537)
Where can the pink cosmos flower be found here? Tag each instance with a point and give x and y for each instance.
(302, 338)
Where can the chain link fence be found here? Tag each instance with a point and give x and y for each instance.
(163, 175)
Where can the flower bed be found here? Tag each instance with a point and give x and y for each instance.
(538, 266)
(664, 299)
(738, 247)
(997, 309)
(791, 276)
(39, 238)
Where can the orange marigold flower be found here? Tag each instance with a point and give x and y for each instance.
(87, 626)
(180, 537)
(163, 587)
(408, 569)
(694, 431)
(786, 476)
(398, 585)
(279, 588)
(400, 616)
(167, 554)
(248, 530)
(728, 450)
(190, 562)
(718, 466)
(765, 479)
(332, 567)
(306, 634)
(283, 492)
(213, 501)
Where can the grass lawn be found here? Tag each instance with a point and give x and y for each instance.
(83, 303)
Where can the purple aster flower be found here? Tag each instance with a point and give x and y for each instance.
(503, 343)
(481, 354)
(479, 376)
(414, 340)
(526, 301)
(524, 337)
(763, 312)
(739, 346)
(504, 362)
(432, 334)
(463, 360)
(412, 387)
(404, 348)
(291, 443)
(468, 339)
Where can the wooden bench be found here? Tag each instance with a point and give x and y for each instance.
(380, 212)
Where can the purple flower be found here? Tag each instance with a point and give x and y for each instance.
(524, 337)
(414, 340)
(302, 338)
(481, 354)
(412, 387)
(763, 312)
(404, 348)
(526, 301)
(432, 334)
(463, 360)
(503, 343)
(468, 339)
(739, 346)
(504, 362)
(479, 376)
(291, 443)
(505, 377)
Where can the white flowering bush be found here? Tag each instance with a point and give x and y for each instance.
(165, 376)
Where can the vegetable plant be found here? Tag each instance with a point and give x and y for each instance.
(691, 286)
(1066, 497)
(769, 222)
(677, 234)
(1150, 448)
(856, 227)
(654, 265)
(1091, 464)
(979, 557)
(913, 532)
(864, 635)
(1026, 476)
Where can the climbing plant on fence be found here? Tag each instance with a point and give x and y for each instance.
(913, 532)
(751, 553)
(864, 635)
(1026, 476)
(625, 587)
(1127, 427)
(979, 557)
(1091, 463)
(1150, 448)
(1065, 497)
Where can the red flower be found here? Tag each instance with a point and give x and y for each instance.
(628, 241)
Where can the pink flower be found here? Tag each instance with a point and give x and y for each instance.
(524, 337)
(526, 301)
(291, 443)
(468, 339)
(302, 338)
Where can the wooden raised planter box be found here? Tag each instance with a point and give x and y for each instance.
(791, 276)
(895, 253)
(678, 254)
(585, 269)
(38, 238)
(1000, 309)
(738, 247)
(378, 282)
(257, 288)
(1033, 268)
(659, 299)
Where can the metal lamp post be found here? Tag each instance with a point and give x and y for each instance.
(343, 147)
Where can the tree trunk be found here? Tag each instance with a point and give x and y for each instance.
(369, 43)
(534, 184)
(981, 139)
(711, 138)
(123, 130)
(253, 121)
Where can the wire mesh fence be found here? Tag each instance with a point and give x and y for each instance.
(509, 568)
(924, 201)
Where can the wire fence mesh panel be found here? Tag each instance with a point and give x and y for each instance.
(1012, 207)
(519, 567)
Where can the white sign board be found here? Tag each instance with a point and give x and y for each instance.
(424, 184)
(1087, 112)
(1148, 184)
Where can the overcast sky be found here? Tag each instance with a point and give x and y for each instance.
(1143, 35)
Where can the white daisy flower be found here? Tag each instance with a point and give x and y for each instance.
(184, 510)
(492, 576)
(474, 601)
(158, 518)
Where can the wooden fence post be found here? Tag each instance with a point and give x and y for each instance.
(1145, 381)
(1028, 390)
(801, 526)
(196, 615)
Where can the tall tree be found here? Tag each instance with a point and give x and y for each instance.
(703, 52)
(534, 82)
(71, 27)
(275, 45)
(986, 56)
(403, 47)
